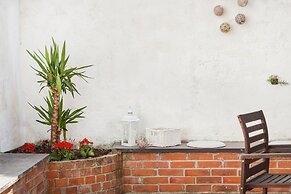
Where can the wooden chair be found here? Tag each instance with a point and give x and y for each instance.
(255, 161)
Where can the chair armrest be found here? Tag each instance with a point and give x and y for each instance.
(264, 155)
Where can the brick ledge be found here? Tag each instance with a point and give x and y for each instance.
(231, 147)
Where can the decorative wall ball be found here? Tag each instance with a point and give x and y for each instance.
(242, 3)
(225, 27)
(240, 18)
(218, 10)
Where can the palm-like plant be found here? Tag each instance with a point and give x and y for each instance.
(57, 76)
(67, 116)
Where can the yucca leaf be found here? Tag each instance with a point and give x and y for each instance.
(40, 59)
(59, 84)
(41, 88)
(84, 67)
(38, 110)
(43, 75)
(73, 122)
(37, 61)
(67, 72)
(63, 59)
(43, 122)
(66, 61)
(47, 57)
(44, 110)
(78, 110)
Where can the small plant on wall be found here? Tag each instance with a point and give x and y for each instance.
(275, 80)
(57, 76)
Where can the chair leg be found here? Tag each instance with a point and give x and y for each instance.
(265, 190)
(242, 191)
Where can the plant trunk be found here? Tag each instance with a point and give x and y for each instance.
(55, 137)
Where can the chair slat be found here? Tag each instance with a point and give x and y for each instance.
(260, 178)
(286, 179)
(259, 147)
(255, 128)
(281, 179)
(250, 161)
(257, 137)
(272, 179)
(256, 169)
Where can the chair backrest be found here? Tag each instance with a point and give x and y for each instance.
(255, 132)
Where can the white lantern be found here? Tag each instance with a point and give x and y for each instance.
(129, 125)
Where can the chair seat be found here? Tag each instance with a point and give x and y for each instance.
(270, 180)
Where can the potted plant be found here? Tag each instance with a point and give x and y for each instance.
(68, 165)
(275, 80)
(55, 74)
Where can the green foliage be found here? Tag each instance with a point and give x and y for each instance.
(87, 151)
(63, 154)
(86, 148)
(275, 80)
(53, 69)
(66, 116)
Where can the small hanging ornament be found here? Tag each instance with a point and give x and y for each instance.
(225, 27)
(242, 3)
(240, 18)
(218, 10)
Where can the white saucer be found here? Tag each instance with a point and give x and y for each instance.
(206, 144)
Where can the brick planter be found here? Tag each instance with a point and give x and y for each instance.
(97, 175)
(143, 171)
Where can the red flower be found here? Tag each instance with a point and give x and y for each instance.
(28, 147)
(44, 142)
(85, 141)
(64, 145)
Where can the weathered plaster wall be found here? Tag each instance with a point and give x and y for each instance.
(10, 130)
(168, 60)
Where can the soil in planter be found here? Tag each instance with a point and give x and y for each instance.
(98, 151)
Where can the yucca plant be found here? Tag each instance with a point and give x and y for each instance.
(57, 76)
(67, 116)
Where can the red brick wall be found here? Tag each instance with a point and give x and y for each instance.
(187, 172)
(33, 181)
(100, 175)
(141, 172)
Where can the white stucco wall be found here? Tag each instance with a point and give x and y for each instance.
(10, 109)
(168, 60)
